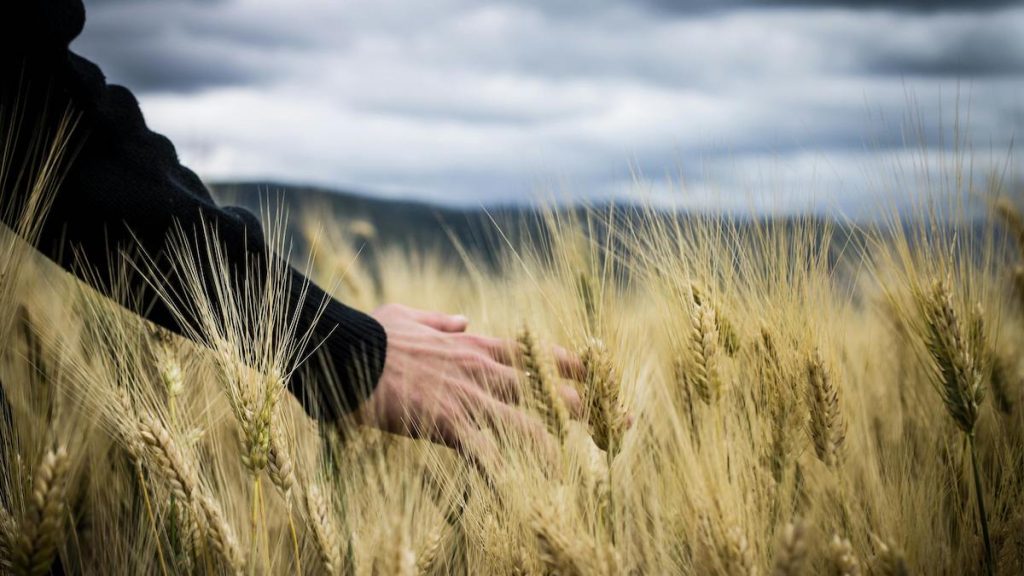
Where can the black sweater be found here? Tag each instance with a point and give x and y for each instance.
(125, 188)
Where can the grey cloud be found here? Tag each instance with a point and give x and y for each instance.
(472, 101)
(697, 6)
(168, 64)
(185, 45)
(685, 8)
(971, 55)
(912, 5)
(153, 69)
(101, 3)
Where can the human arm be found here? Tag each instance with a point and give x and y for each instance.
(125, 190)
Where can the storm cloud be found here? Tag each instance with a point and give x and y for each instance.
(464, 102)
(690, 6)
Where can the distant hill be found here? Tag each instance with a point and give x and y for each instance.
(411, 224)
(432, 228)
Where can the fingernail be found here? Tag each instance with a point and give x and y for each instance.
(461, 319)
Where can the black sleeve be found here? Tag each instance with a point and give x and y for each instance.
(126, 188)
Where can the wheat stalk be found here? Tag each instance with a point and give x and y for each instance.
(889, 561)
(827, 427)
(429, 552)
(325, 534)
(737, 555)
(791, 550)
(395, 558)
(1002, 382)
(728, 336)
(960, 354)
(8, 535)
(776, 391)
(127, 426)
(254, 415)
(957, 353)
(176, 470)
(183, 480)
(220, 534)
(191, 532)
(704, 376)
(543, 385)
(168, 366)
(41, 529)
(842, 559)
(1017, 279)
(1013, 220)
(282, 475)
(680, 371)
(605, 413)
(558, 552)
(280, 467)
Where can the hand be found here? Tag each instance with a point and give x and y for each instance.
(442, 383)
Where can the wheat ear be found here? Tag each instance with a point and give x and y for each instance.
(842, 559)
(220, 534)
(168, 367)
(961, 355)
(429, 552)
(543, 385)
(325, 533)
(827, 427)
(602, 397)
(956, 351)
(282, 475)
(791, 550)
(42, 527)
(1018, 283)
(183, 480)
(1013, 220)
(705, 375)
(1002, 382)
(395, 558)
(127, 425)
(728, 336)
(889, 561)
(557, 552)
(254, 420)
(176, 470)
(737, 553)
(8, 530)
(279, 462)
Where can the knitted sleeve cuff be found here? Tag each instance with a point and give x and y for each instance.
(351, 349)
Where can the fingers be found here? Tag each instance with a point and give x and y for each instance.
(506, 384)
(569, 365)
(507, 352)
(572, 400)
(501, 381)
(480, 449)
(512, 422)
(503, 351)
(457, 426)
(444, 322)
(464, 422)
(440, 321)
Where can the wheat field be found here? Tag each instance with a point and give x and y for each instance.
(767, 398)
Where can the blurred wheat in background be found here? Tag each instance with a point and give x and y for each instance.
(773, 395)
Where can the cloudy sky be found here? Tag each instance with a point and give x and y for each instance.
(472, 103)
